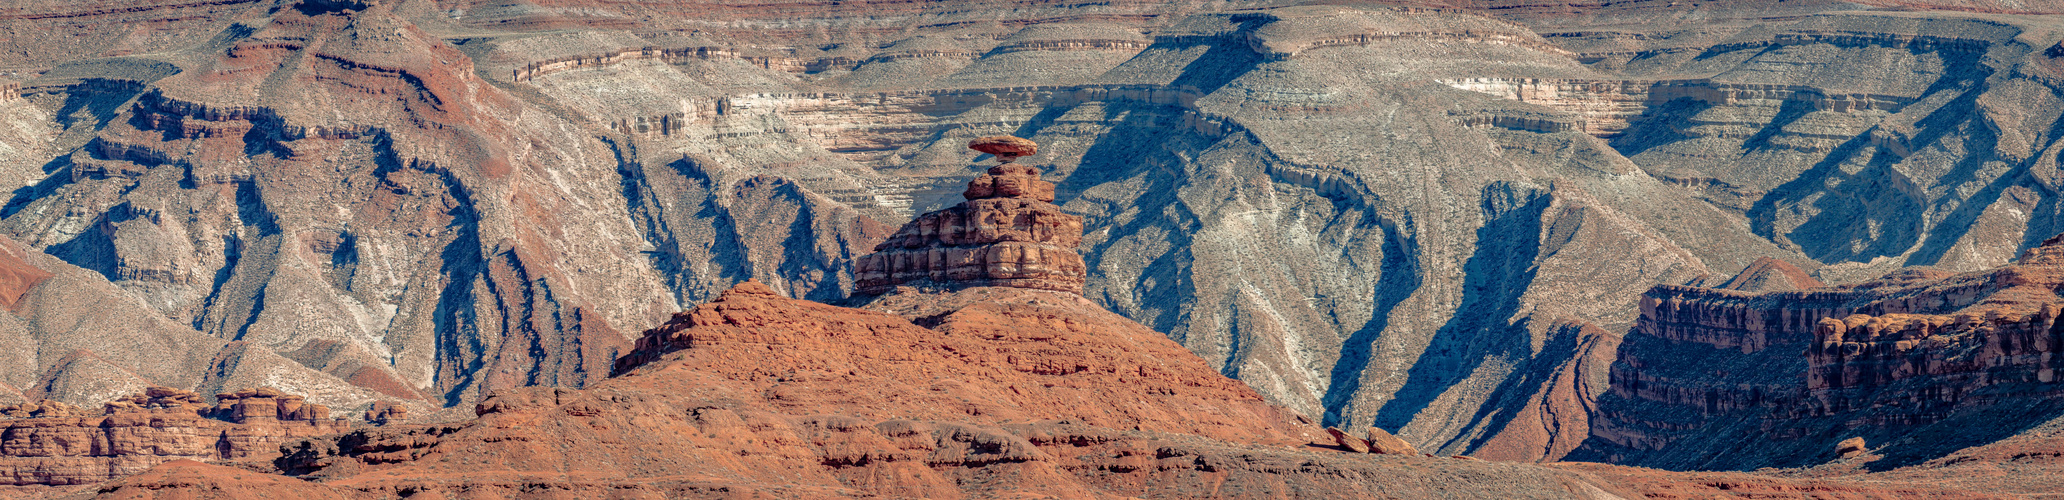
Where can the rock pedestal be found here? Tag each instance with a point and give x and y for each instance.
(1008, 233)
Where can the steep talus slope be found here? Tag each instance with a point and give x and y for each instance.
(1918, 364)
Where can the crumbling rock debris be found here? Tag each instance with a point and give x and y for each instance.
(1008, 233)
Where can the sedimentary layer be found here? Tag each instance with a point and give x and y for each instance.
(1917, 364)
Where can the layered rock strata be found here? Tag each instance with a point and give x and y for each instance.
(1008, 233)
(1010, 392)
(55, 444)
(1919, 363)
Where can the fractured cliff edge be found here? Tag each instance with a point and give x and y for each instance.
(1918, 363)
(52, 443)
(1008, 233)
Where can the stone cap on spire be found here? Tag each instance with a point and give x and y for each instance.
(1006, 148)
(1009, 179)
(1008, 233)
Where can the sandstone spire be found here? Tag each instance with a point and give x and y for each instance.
(1007, 233)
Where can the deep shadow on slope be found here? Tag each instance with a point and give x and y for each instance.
(1495, 277)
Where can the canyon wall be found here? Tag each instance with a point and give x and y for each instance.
(1917, 363)
(52, 443)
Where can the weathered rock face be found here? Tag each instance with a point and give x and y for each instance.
(1917, 363)
(265, 404)
(133, 433)
(1008, 233)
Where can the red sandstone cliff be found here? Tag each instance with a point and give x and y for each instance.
(49, 443)
(1918, 363)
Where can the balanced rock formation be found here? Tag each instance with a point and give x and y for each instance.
(1008, 233)
(430, 201)
(50, 443)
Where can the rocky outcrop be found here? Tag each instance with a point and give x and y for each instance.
(42, 409)
(50, 444)
(1911, 354)
(265, 404)
(1381, 441)
(386, 412)
(1008, 233)
(185, 478)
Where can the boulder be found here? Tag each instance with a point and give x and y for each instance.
(1381, 441)
(1352, 443)
(1850, 447)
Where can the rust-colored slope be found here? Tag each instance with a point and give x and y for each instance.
(995, 355)
(1013, 393)
(17, 275)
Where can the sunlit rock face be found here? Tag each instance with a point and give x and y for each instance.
(54, 443)
(1008, 233)
(1919, 363)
